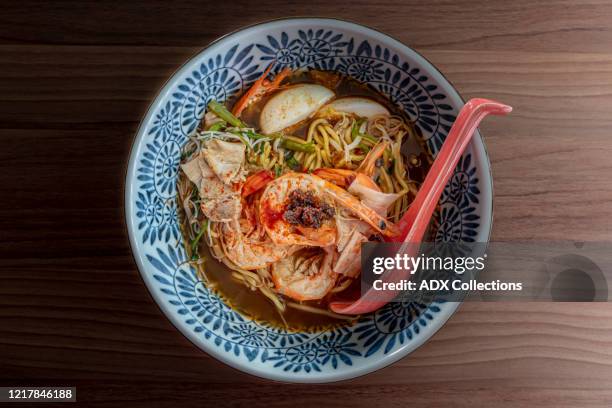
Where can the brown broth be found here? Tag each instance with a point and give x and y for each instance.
(252, 303)
(256, 306)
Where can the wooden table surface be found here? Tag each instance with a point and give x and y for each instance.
(75, 80)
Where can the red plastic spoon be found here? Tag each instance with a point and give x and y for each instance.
(414, 223)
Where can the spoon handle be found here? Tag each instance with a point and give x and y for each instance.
(414, 223)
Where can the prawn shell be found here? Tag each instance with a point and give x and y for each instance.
(272, 207)
(249, 253)
(302, 287)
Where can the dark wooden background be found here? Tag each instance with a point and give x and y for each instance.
(75, 80)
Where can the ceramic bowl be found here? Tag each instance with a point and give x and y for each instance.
(227, 67)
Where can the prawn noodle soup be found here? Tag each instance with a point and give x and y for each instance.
(279, 188)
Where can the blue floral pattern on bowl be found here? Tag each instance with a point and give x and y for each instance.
(227, 68)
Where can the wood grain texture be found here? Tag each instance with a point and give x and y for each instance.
(75, 80)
